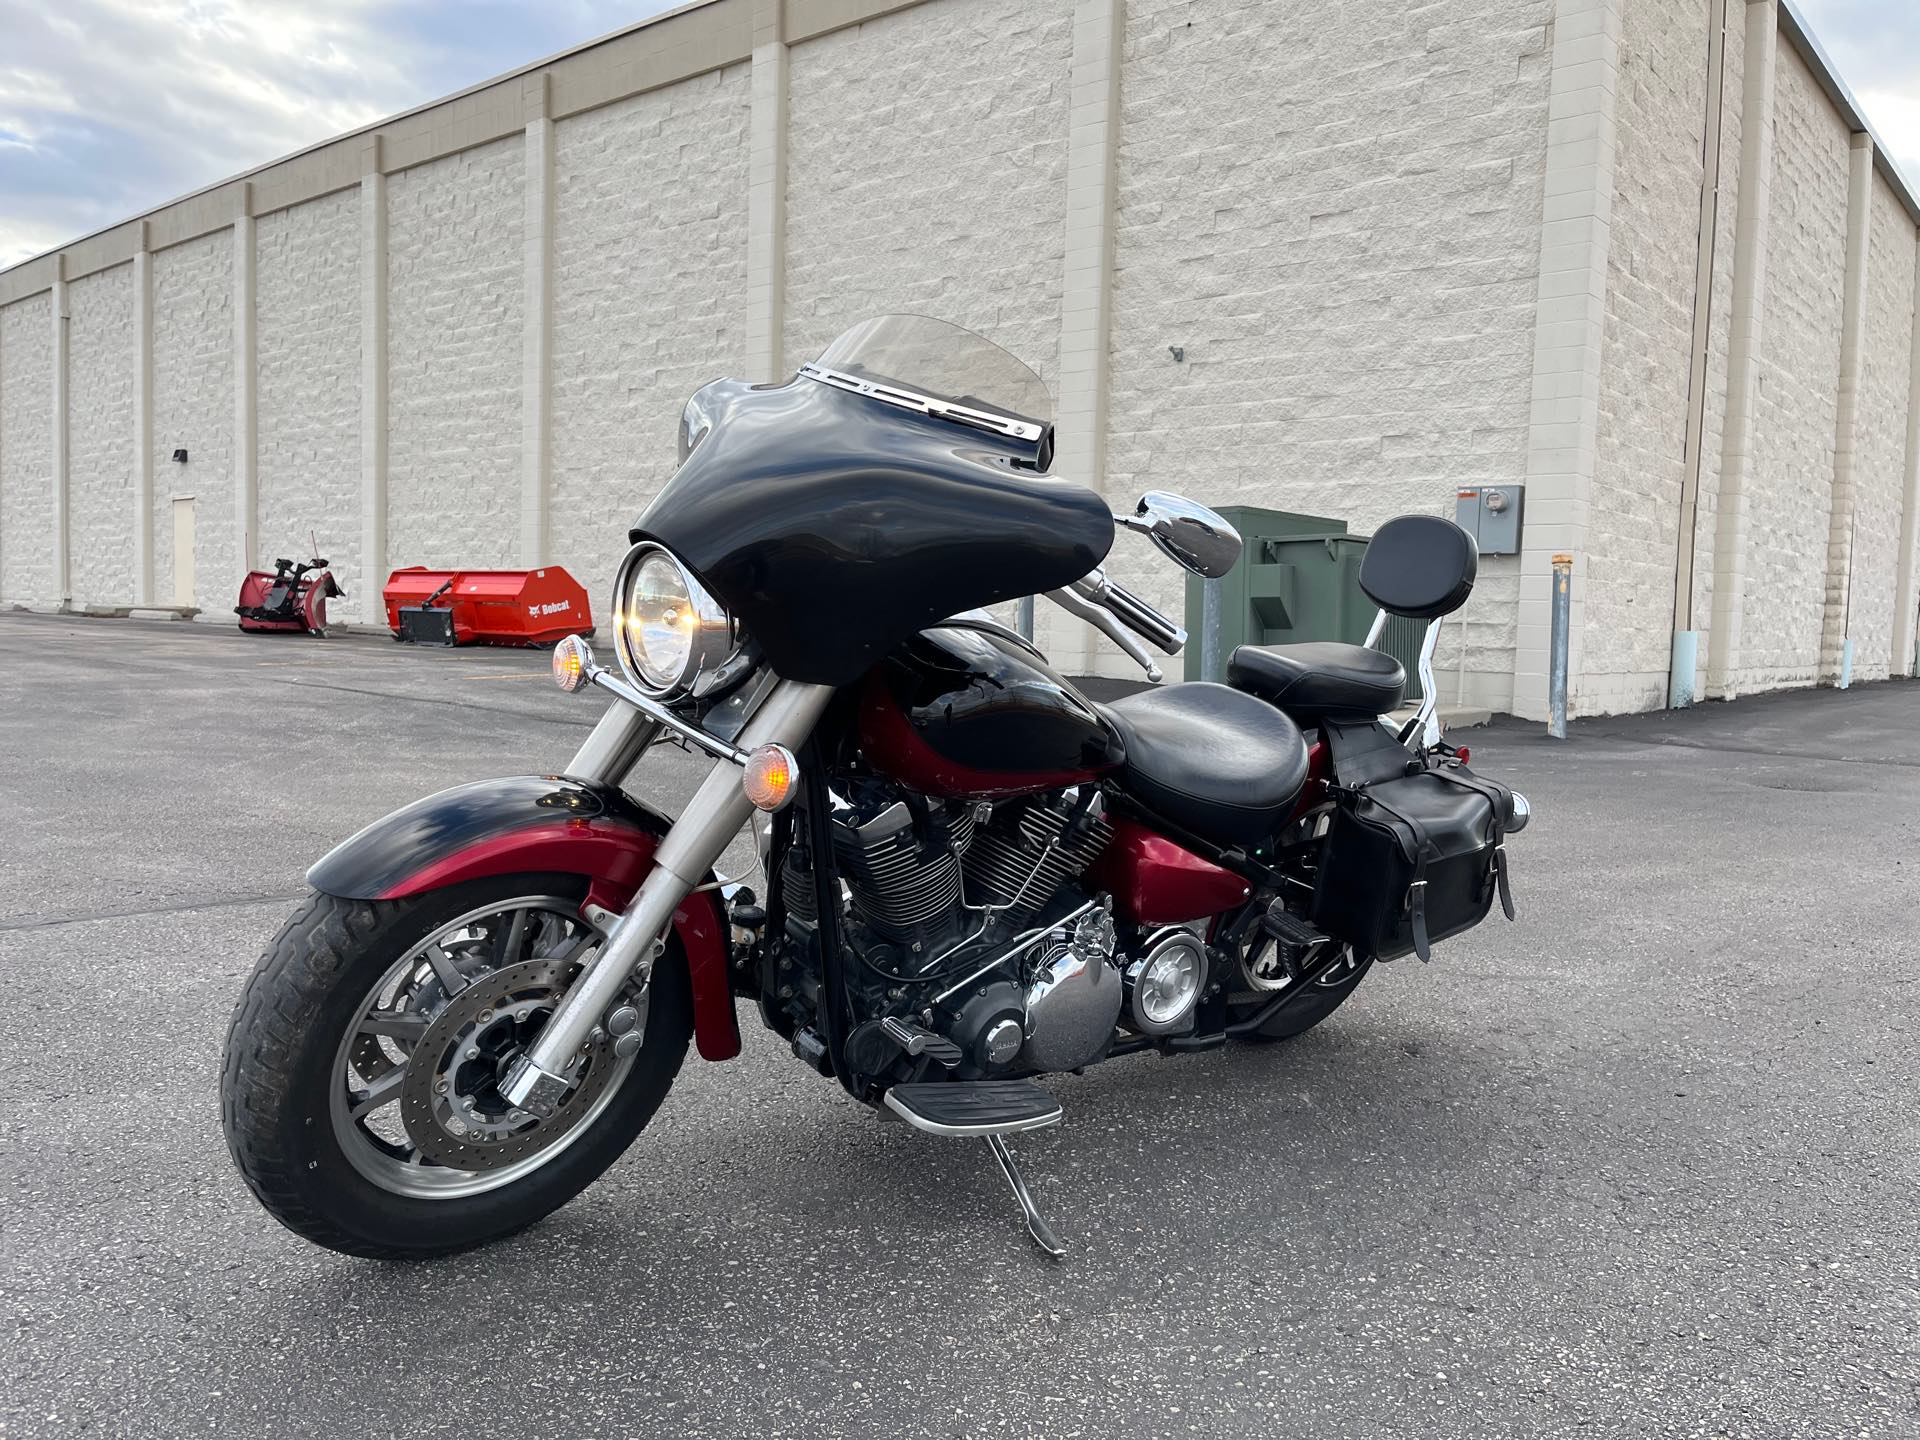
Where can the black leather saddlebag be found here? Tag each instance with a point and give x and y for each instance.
(1412, 858)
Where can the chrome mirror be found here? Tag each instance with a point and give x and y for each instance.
(1185, 531)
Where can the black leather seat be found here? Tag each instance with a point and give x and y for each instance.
(1217, 762)
(1320, 679)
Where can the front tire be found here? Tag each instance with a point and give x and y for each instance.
(303, 1036)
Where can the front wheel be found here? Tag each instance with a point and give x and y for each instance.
(360, 1093)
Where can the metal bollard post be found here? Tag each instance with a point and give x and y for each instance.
(1023, 619)
(1557, 656)
(1212, 662)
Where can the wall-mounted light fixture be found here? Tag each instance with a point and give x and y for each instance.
(179, 457)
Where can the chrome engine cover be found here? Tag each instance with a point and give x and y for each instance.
(1074, 1001)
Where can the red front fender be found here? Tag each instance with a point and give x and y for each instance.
(539, 823)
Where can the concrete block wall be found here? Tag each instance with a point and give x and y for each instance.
(658, 181)
(454, 260)
(1880, 463)
(1799, 387)
(307, 304)
(1400, 250)
(1647, 355)
(1354, 300)
(100, 357)
(193, 410)
(26, 447)
(944, 199)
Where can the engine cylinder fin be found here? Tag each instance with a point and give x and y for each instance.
(1019, 859)
(904, 875)
(796, 887)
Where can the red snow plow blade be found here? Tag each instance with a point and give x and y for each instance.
(486, 607)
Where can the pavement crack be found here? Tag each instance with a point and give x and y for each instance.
(438, 699)
(228, 902)
(1727, 749)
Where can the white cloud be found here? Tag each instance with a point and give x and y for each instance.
(1875, 46)
(109, 107)
(1895, 116)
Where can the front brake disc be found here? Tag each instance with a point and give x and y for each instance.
(449, 1100)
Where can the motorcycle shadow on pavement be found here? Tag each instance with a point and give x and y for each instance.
(721, 1205)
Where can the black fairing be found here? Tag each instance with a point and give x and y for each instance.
(369, 865)
(833, 526)
(987, 702)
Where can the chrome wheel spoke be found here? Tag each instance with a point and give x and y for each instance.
(383, 1091)
(454, 969)
(508, 941)
(407, 1025)
(580, 943)
(451, 980)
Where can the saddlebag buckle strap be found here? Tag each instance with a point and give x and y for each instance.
(1500, 878)
(1417, 912)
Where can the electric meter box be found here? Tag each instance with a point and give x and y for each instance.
(1491, 514)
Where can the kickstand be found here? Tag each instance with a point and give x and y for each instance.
(1041, 1232)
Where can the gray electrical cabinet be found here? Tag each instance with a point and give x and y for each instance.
(1491, 514)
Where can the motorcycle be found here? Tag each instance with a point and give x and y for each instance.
(974, 876)
(291, 597)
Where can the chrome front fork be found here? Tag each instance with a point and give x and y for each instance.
(539, 1079)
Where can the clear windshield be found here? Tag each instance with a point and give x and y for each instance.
(942, 362)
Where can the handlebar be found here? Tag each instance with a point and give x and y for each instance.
(1133, 612)
(1121, 616)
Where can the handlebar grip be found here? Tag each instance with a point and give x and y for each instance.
(1138, 615)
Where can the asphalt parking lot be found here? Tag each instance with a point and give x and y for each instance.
(1642, 1164)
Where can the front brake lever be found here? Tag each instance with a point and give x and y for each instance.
(1103, 620)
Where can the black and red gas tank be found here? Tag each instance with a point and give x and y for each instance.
(969, 711)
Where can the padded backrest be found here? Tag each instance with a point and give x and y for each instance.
(1419, 566)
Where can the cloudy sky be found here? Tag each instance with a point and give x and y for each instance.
(109, 107)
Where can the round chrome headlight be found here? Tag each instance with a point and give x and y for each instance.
(667, 629)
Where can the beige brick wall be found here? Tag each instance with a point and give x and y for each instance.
(1640, 462)
(649, 267)
(26, 452)
(926, 172)
(193, 410)
(1799, 385)
(454, 358)
(100, 363)
(1335, 211)
(307, 317)
(1880, 455)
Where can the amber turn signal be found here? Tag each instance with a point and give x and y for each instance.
(572, 663)
(771, 776)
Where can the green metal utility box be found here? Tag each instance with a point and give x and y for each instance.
(1298, 579)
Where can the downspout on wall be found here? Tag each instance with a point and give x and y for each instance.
(1684, 658)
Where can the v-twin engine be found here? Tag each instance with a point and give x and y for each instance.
(920, 872)
(965, 915)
